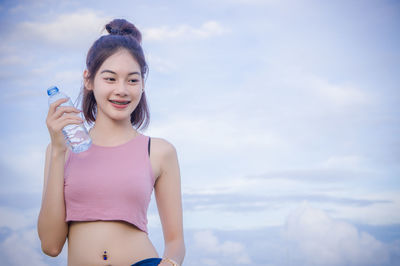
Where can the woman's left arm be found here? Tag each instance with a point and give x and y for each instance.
(169, 203)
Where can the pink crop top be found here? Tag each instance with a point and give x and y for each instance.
(110, 183)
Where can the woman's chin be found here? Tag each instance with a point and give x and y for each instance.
(119, 117)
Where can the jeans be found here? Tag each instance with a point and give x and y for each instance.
(148, 262)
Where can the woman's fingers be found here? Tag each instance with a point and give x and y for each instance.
(61, 113)
(56, 110)
(59, 124)
(64, 110)
(53, 106)
(60, 116)
(68, 121)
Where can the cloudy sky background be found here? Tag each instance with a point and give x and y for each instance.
(284, 114)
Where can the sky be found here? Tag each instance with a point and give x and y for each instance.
(284, 115)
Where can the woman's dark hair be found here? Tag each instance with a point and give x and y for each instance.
(122, 35)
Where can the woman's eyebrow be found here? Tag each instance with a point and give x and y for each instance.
(112, 72)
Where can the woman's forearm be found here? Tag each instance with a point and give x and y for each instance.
(52, 228)
(175, 250)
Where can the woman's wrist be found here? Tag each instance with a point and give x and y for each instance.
(58, 151)
(170, 261)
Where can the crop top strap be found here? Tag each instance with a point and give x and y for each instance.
(149, 147)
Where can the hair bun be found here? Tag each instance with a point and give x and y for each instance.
(123, 27)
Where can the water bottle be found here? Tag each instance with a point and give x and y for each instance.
(76, 136)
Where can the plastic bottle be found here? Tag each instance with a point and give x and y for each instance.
(76, 136)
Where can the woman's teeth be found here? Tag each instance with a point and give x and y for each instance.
(120, 103)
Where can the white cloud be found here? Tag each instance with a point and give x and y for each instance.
(72, 76)
(206, 241)
(20, 248)
(210, 262)
(30, 176)
(343, 162)
(316, 239)
(250, 3)
(219, 132)
(206, 30)
(375, 214)
(16, 219)
(17, 95)
(13, 59)
(312, 95)
(84, 26)
(160, 64)
(23, 246)
(338, 94)
(69, 29)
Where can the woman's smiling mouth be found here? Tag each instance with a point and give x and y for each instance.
(119, 104)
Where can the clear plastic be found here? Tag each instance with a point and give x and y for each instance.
(76, 136)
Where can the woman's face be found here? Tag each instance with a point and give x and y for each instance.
(117, 86)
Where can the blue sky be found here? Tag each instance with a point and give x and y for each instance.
(284, 115)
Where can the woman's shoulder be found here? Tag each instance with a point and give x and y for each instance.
(162, 146)
(163, 154)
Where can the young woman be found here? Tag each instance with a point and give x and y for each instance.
(99, 198)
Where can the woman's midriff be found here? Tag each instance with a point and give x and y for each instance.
(125, 244)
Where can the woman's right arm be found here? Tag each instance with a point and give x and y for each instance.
(52, 228)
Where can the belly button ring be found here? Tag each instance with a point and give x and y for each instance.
(105, 255)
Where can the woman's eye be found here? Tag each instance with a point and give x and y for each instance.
(109, 79)
(134, 80)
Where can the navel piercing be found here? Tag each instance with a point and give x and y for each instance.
(105, 255)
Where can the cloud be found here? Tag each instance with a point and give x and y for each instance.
(337, 94)
(70, 29)
(245, 3)
(315, 174)
(240, 203)
(16, 219)
(207, 242)
(206, 30)
(344, 162)
(309, 94)
(12, 59)
(18, 95)
(23, 246)
(314, 238)
(160, 64)
(270, 246)
(20, 248)
(333, 169)
(219, 132)
(84, 26)
(30, 176)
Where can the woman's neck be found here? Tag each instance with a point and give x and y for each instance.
(111, 133)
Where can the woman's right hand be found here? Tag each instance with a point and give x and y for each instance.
(57, 119)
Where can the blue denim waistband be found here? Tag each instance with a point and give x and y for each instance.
(148, 262)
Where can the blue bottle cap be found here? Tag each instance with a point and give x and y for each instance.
(52, 90)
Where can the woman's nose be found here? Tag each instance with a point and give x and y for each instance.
(121, 89)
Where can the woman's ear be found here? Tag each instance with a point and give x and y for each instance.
(86, 80)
